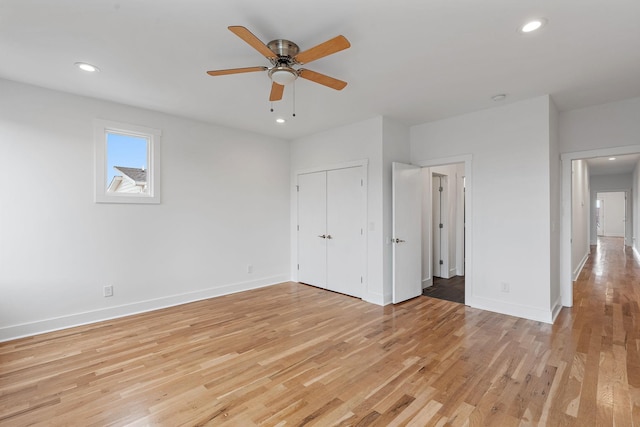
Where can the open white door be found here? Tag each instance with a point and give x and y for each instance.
(407, 231)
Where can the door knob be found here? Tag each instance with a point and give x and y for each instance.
(323, 236)
(329, 236)
(397, 240)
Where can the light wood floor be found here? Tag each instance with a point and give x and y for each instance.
(296, 355)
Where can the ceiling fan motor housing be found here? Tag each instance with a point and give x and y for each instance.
(284, 48)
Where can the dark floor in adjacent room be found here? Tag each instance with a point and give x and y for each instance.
(446, 289)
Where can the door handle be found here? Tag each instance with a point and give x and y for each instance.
(329, 236)
(322, 236)
(397, 240)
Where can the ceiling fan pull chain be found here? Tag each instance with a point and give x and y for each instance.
(272, 106)
(294, 99)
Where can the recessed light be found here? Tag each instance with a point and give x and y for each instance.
(533, 25)
(87, 67)
(280, 120)
(499, 97)
(612, 158)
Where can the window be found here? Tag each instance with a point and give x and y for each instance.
(127, 163)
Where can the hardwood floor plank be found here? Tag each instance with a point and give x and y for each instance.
(292, 354)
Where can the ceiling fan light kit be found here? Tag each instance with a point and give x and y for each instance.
(283, 75)
(284, 55)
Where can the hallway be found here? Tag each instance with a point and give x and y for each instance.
(604, 341)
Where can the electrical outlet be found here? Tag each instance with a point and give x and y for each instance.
(504, 287)
(107, 291)
(249, 268)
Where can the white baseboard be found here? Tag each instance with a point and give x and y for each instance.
(577, 271)
(557, 307)
(517, 310)
(78, 319)
(426, 283)
(376, 298)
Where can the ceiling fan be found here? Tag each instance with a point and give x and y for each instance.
(284, 55)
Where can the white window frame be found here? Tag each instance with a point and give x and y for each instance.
(101, 128)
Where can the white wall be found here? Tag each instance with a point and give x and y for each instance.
(614, 124)
(380, 141)
(225, 205)
(511, 184)
(580, 211)
(611, 183)
(355, 142)
(555, 207)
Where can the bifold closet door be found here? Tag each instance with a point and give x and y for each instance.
(331, 217)
(312, 225)
(345, 233)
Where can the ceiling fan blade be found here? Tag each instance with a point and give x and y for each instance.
(329, 47)
(252, 40)
(235, 71)
(322, 79)
(276, 92)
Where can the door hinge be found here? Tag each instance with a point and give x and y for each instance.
(297, 188)
(361, 231)
(360, 279)
(298, 227)
(441, 225)
(440, 189)
(441, 262)
(298, 266)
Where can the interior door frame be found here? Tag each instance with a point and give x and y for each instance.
(443, 249)
(294, 214)
(467, 159)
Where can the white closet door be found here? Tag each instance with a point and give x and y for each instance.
(312, 223)
(345, 232)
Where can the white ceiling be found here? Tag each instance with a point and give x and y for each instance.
(621, 165)
(412, 60)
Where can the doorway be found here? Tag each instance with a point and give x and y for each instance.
(611, 207)
(444, 230)
(584, 175)
(420, 262)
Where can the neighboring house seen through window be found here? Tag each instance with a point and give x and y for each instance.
(127, 161)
